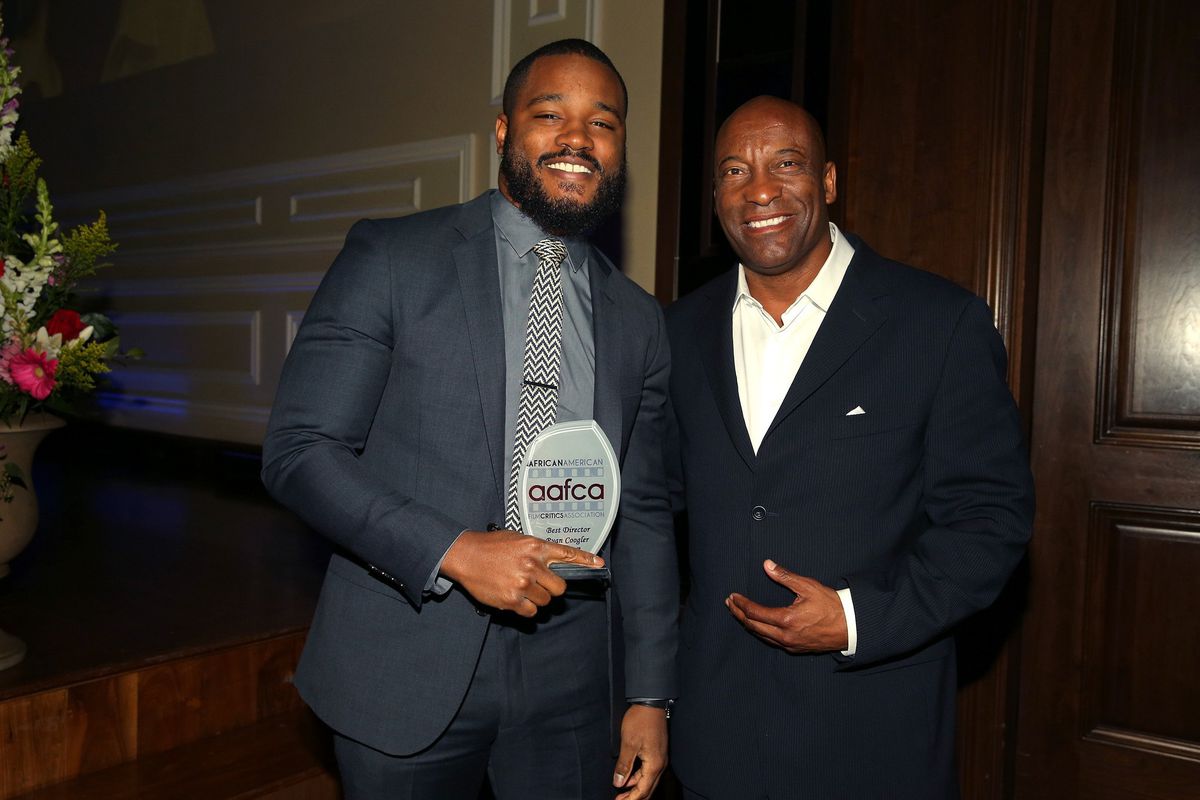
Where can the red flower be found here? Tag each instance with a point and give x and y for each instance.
(32, 372)
(1, 267)
(66, 322)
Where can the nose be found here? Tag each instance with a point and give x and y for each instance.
(575, 135)
(763, 188)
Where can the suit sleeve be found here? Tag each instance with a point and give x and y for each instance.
(978, 503)
(324, 408)
(646, 575)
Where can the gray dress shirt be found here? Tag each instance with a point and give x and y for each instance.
(516, 235)
(516, 263)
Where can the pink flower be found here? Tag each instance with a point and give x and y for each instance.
(32, 372)
(11, 348)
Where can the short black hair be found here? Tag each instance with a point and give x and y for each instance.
(563, 47)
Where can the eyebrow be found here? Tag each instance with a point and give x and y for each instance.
(558, 98)
(779, 152)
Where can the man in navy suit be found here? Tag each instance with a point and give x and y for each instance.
(855, 484)
(441, 650)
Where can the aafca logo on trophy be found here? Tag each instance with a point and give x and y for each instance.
(570, 486)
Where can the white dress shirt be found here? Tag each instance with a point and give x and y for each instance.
(766, 357)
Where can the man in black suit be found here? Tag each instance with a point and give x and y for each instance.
(855, 483)
(443, 650)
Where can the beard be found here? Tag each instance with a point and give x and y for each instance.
(565, 216)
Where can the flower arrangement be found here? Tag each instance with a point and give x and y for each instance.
(50, 353)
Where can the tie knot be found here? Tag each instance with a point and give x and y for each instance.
(551, 250)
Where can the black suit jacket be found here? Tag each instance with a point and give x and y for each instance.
(387, 436)
(922, 506)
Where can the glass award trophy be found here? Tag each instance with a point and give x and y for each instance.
(570, 488)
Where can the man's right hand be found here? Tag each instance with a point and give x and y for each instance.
(510, 571)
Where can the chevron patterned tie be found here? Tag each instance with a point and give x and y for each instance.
(540, 375)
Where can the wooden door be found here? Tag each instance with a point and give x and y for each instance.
(1110, 667)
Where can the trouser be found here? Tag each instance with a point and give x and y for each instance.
(535, 720)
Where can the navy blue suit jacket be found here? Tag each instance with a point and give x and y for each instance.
(387, 437)
(922, 506)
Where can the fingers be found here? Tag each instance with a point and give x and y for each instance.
(766, 631)
(551, 583)
(814, 622)
(750, 610)
(562, 553)
(636, 787)
(524, 607)
(510, 571)
(642, 782)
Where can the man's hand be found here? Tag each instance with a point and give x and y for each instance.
(510, 571)
(815, 622)
(643, 737)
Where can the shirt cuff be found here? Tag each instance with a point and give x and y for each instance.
(437, 584)
(851, 625)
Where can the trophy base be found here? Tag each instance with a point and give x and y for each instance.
(578, 572)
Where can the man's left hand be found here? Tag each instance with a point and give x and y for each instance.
(815, 622)
(644, 738)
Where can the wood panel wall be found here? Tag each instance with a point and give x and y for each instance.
(936, 124)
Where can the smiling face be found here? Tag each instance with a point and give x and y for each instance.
(563, 144)
(772, 187)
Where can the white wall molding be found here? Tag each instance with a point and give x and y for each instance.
(292, 320)
(189, 286)
(282, 207)
(544, 13)
(457, 147)
(316, 205)
(557, 19)
(181, 337)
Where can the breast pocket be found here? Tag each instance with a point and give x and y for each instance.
(859, 425)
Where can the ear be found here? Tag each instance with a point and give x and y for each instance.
(501, 132)
(830, 182)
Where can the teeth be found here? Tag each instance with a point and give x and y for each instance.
(765, 223)
(565, 167)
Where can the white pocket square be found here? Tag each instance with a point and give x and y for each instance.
(854, 412)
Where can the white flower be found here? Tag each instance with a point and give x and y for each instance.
(43, 342)
(82, 338)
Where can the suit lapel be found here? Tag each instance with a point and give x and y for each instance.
(714, 339)
(479, 283)
(607, 324)
(852, 318)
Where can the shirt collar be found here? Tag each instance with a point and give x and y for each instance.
(521, 234)
(823, 288)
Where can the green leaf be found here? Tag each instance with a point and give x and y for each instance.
(15, 474)
(103, 327)
(57, 403)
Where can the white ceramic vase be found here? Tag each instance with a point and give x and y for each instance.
(19, 518)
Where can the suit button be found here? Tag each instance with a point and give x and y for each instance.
(758, 514)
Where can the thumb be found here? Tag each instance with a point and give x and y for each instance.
(624, 764)
(782, 576)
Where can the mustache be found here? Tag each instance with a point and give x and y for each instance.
(567, 152)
